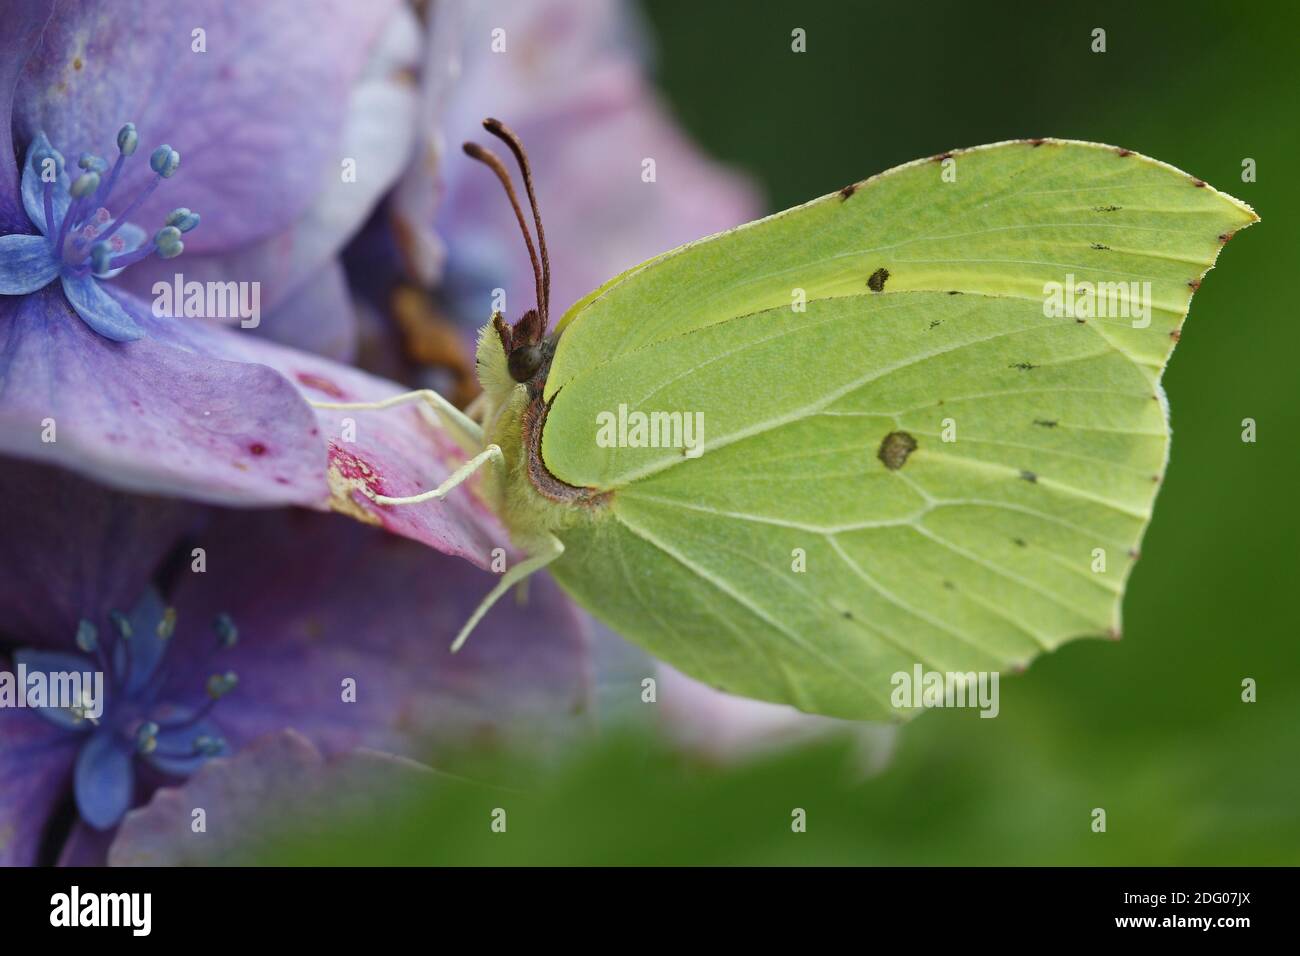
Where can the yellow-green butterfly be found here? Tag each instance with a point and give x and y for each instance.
(915, 422)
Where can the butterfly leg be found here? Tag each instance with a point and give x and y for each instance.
(490, 453)
(471, 430)
(551, 548)
(470, 427)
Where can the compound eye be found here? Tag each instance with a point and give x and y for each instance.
(524, 362)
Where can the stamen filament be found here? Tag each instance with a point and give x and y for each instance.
(48, 197)
(193, 719)
(131, 258)
(106, 187)
(126, 213)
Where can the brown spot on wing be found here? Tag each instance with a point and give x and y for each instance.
(895, 449)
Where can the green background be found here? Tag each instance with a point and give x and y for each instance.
(1152, 728)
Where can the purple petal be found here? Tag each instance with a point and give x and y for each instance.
(210, 413)
(26, 264)
(724, 727)
(35, 766)
(290, 266)
(72, 550)
(104, 780)
(583, 106)
(257, 118)
(394, 451)
(23, 21)
(281, 780)
(99, 310)
(86, 846)
(316, 315)
(153, 416)
(319, 601)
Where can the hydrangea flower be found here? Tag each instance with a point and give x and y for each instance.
(343, 636)
(79, 241)
(270, 109)
(136, 722)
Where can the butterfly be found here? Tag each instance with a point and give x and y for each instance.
(915, 422)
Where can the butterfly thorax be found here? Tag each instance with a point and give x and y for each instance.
(530, 500)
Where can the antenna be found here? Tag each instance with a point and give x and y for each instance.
(508, 136)
(493, 162)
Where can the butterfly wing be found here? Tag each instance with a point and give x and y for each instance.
(910, 455)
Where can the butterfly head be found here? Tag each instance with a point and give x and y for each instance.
(527, 349)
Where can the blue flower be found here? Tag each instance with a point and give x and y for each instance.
(136, 723)
(196, 407)
(80, 242)
(341, 638)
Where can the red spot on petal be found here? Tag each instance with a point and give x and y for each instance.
(321, 384)
(257, 448)
(355, 468)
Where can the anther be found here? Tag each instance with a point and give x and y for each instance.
(122, 623)
(84, 185)
(167, 625)
(127, 139)
(227, 633)
(219, 685)
(165, 161)
(87, 637)
(146, 737)
(182, 218)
